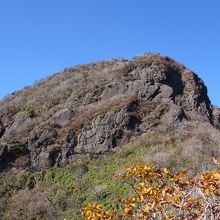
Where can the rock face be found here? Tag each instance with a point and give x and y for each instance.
(91, 109)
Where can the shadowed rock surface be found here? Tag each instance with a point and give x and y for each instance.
(90, 109)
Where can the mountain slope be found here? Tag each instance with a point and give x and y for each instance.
(90, 109)
(62, 139)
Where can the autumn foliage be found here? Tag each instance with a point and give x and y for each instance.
(161, 194)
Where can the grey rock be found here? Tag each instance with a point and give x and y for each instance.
(22, 124)
(166, 91)
(90, 109)
(73, 101)
(105, 132)
(216, 116)
(101, 191)
(153, 90)
(67, 150)
(97, 137)
(113, 89)
(80, 170)
(61, 118)
(41, 138)
(174, 114)
(46, 158)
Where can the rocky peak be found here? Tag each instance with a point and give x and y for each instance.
(90, 109)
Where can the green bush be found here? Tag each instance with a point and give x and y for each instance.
(16, 147)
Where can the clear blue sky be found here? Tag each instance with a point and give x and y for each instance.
(41, 37)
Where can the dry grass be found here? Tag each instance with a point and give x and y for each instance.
(32, 204)
(191, 151)
(85, 114)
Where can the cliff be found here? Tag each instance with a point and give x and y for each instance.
(90, 109)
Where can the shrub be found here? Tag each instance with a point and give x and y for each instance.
(161, 194)
(16, 147)
(36, 202)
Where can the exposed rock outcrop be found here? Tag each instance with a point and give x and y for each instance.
(91, 109)
(216, 116)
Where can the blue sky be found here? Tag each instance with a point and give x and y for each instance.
(41, 37)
